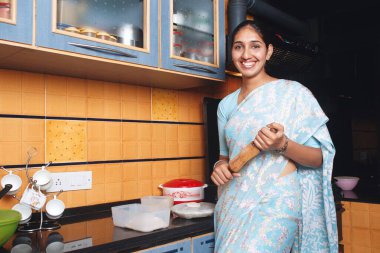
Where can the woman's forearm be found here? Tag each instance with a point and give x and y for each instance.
(304, 155)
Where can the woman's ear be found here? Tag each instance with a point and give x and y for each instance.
(269, 52)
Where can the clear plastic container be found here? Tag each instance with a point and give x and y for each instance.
(144, 218)
(159, 201)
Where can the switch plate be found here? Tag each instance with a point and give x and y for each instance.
(71, 181)
(78, 244)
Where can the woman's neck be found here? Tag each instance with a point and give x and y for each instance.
(249, 84)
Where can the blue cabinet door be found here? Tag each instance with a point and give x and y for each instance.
(204, 244)
(179, 247)
(51, 33)
(192, 39)
(18, 27)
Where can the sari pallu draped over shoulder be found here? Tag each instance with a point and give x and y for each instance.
(292, 105)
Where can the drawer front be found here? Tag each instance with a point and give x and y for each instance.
(203, 244)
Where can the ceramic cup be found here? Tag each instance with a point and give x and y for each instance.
(13, 180)
(26, 212)
(55, 243)
(42, 177)
(54, 208)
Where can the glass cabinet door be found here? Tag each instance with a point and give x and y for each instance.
(16, 22)
(195, 30)
(123, 28)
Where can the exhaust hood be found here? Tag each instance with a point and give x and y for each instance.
(292, 53)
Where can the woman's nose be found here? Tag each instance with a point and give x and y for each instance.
(246, 54)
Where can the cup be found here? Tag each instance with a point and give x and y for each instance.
(42, 177)
(13, 180)
(55, 243)
(54, 208)
(22, 244)
(25, 211)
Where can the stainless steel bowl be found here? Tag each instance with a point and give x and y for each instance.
(131, 35)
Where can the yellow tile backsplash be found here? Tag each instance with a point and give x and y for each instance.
(66, 141)
(164, 105)
(82, 140)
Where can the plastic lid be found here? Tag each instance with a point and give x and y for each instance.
(193, 210)
(183, 183)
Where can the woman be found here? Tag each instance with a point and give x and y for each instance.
(281, 200)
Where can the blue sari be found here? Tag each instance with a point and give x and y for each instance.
(260, 211)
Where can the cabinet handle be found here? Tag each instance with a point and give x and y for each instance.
(171, 251)
(196, 68)
(103, 49)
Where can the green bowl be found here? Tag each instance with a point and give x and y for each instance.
(8, 224)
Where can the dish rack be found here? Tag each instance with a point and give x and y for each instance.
(32, 226)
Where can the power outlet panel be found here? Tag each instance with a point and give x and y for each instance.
(79, 244)
(71, 181)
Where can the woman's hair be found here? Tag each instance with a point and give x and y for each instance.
(264, 32)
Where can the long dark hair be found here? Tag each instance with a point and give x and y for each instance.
(265, 32)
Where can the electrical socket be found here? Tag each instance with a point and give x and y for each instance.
(71, 181)
(78, 244)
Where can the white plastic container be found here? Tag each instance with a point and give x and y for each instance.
(144, 218)
(159, 201)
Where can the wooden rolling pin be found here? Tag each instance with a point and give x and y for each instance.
(247, 153)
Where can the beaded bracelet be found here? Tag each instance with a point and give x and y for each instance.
(284, 148)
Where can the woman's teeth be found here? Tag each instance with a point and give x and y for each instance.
(248, 64)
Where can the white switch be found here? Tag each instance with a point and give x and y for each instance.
(71, 181)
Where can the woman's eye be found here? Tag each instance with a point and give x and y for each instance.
(255, 46)
(237, 47)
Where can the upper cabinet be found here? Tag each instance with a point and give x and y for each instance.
(169, 43)
(193, 39)
(16, 19)
(124, 30)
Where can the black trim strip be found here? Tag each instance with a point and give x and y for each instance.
(108, 161)
(98, 119)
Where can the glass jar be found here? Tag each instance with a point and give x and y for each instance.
(5, 9)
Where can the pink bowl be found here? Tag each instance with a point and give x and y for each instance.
(346, 183)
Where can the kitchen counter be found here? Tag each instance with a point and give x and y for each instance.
(96, 233)
(362, 194)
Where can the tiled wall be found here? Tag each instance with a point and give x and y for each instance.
(361, 227)
(73, 120)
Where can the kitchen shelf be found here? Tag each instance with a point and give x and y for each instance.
(50, 61)
(194, 29)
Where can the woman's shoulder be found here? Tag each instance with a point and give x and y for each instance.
(230, 97)
(296, 86)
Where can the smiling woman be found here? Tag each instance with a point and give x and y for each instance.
(261, 208)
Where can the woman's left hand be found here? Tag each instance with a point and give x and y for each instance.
(271, 137)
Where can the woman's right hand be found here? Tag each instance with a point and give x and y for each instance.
(222, 174)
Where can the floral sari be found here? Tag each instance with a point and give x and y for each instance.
(260, 211)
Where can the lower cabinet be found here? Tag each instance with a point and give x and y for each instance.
(199, 244)
(183, 246)
(203, 243)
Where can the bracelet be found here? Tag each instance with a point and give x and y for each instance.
(284, 148)
(217, 162)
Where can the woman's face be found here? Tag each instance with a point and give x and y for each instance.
(249, 52)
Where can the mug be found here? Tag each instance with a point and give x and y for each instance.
(22, 244)
(25, 211)
(13, 180)
(54, 208)
(42, 177)
(55, 243)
